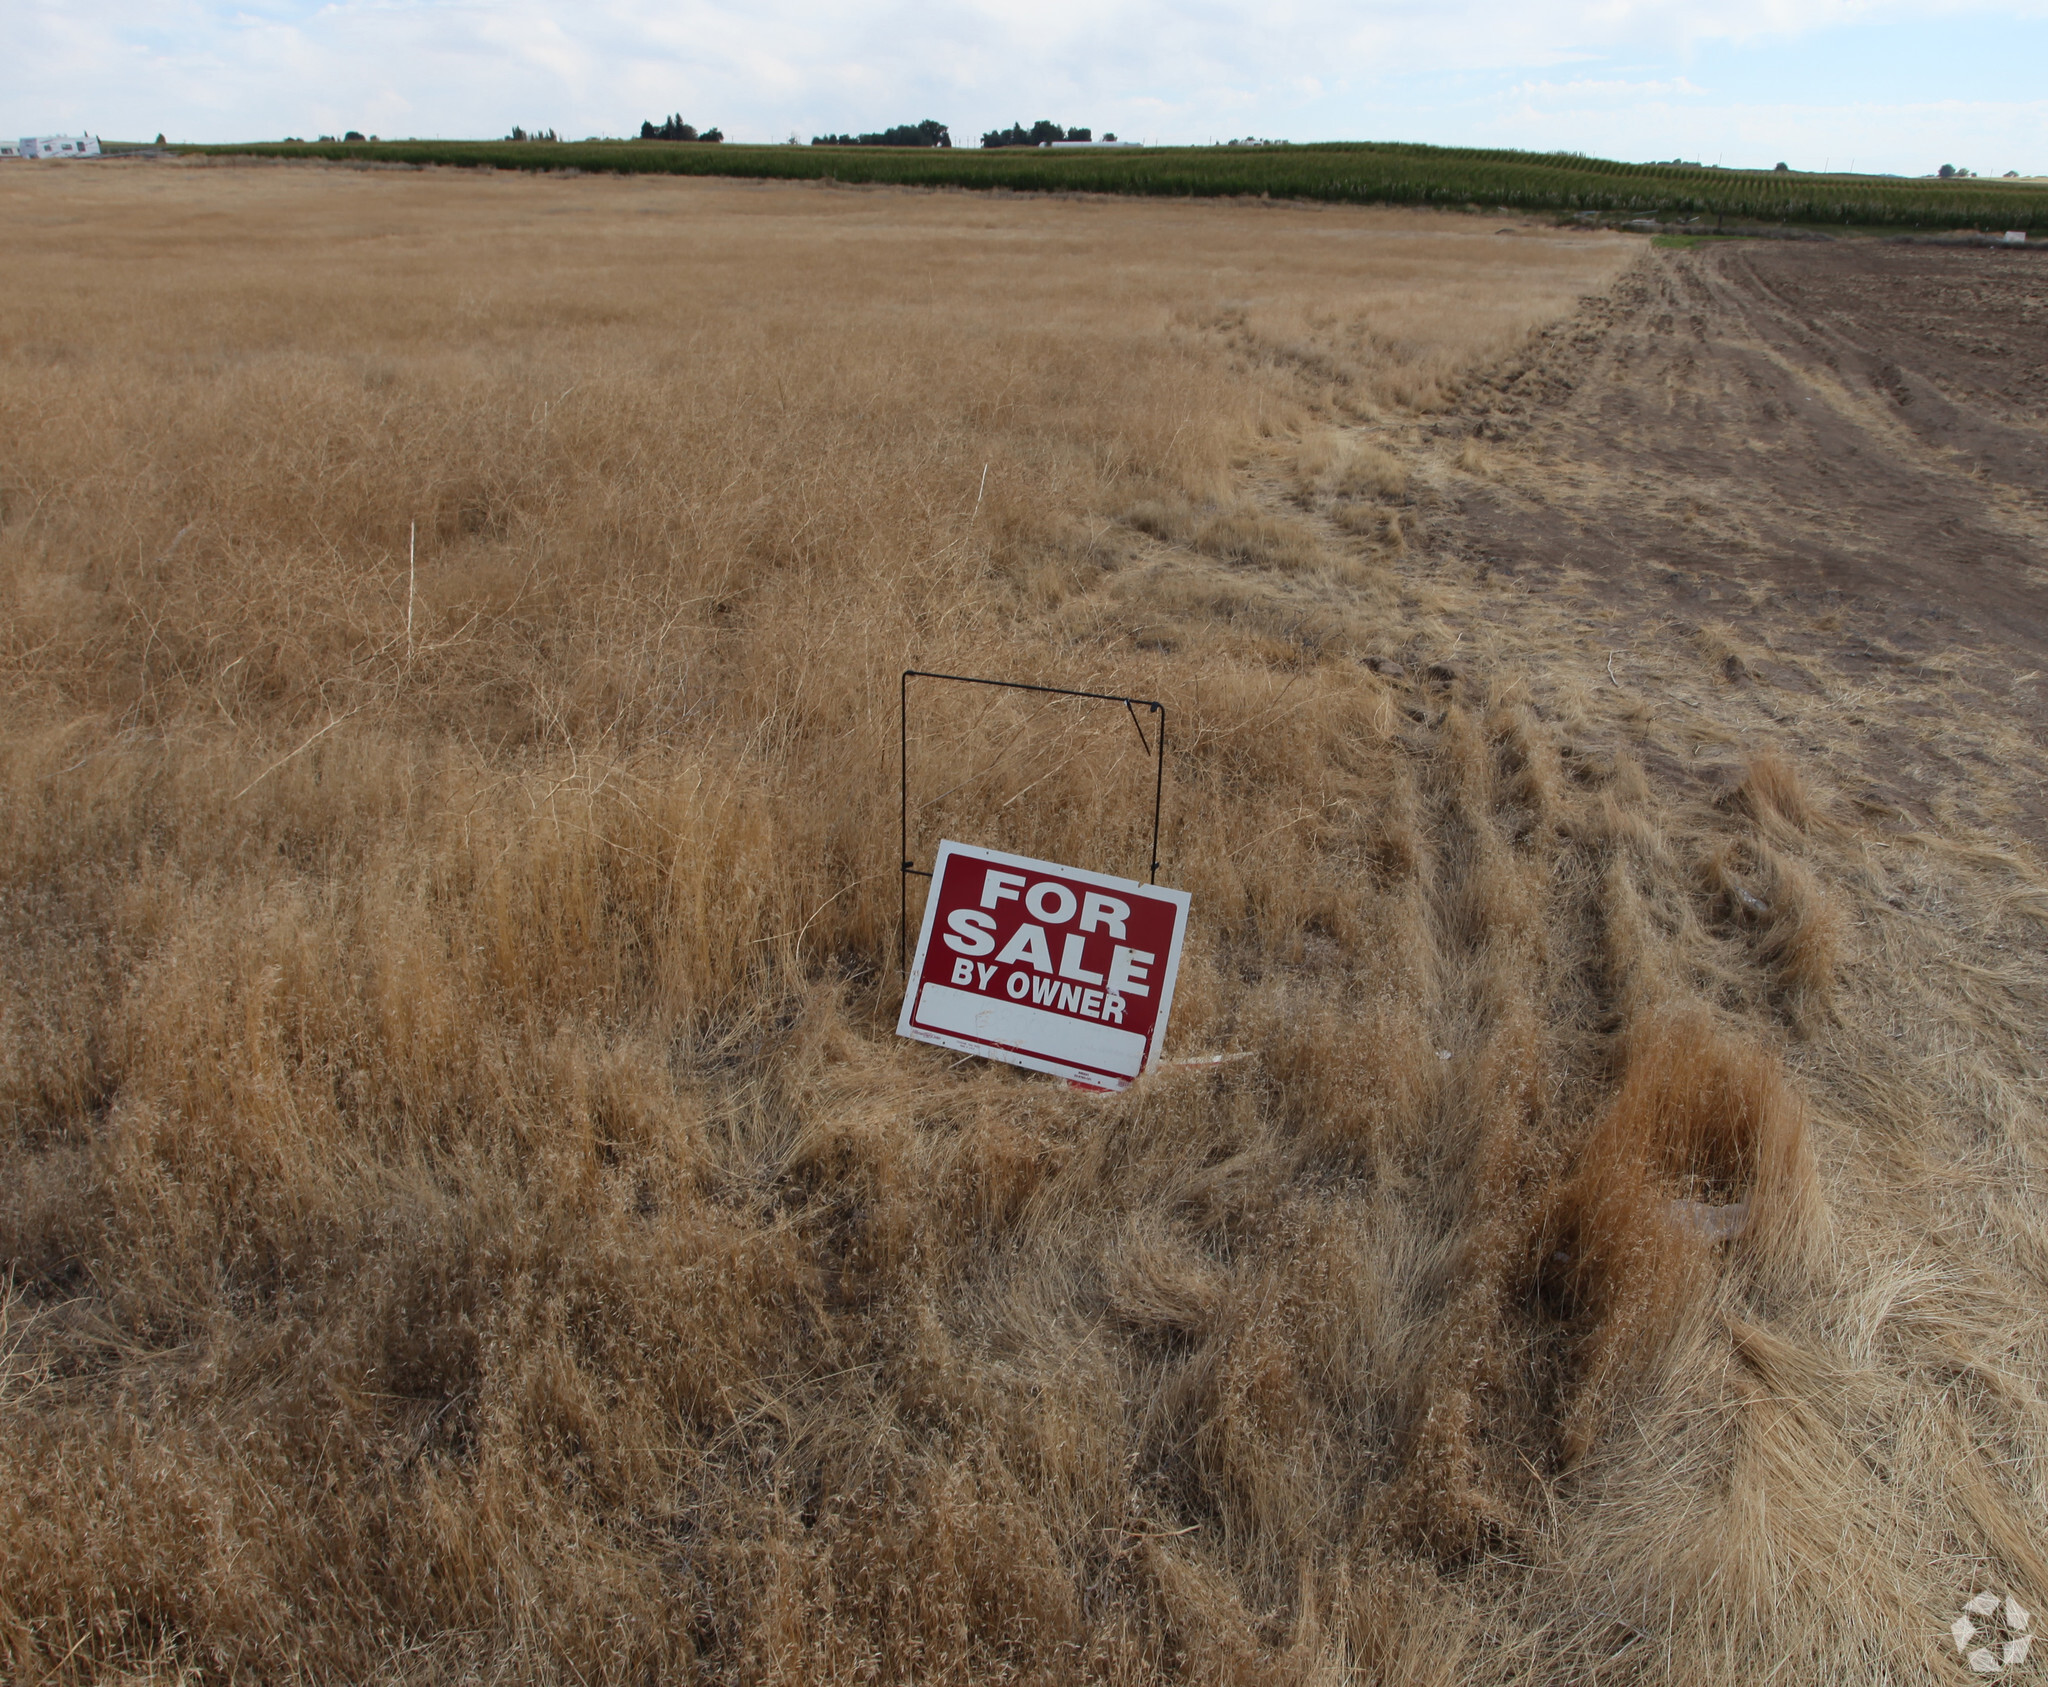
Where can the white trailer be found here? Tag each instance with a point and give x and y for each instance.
(60, 146)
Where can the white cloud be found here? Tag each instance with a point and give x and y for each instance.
(1495, 71)
(1988, 136)
(1593, 91)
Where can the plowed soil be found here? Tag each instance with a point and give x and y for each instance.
(1833, 460)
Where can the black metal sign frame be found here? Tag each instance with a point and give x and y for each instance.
(1131, 704)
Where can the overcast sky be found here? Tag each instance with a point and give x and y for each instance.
(1843, 84)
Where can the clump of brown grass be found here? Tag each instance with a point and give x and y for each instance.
(1257, 540)
(1478, 460)
(1457, 1484)
(1390, 529)
(1634, 965)
(1175, 521)
(1774, 795)
(1529, 777)
(1361, 1080)
(1793, 925)
(1801, 942)
(1340, 465)
(1156, 1283)
(1703, 1144)
(1240, 533)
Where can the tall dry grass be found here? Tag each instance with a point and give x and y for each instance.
(466, 1215)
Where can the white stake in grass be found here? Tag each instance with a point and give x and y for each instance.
(412, 545)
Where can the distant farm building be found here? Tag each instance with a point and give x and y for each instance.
(60, 146)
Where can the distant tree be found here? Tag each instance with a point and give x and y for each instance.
(673, 129)
(931, 132)
(1041, 133)
(1080, 134)
(159, 137)
(1946, 172)
(353, 135)
(1782, 165)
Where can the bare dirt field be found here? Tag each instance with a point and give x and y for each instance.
(1836, 448)
(465, 1214)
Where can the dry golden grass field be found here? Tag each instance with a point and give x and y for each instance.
(464, 1213)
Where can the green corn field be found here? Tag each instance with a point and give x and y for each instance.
(1342, 172)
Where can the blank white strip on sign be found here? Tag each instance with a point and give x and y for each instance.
(1103, 1048)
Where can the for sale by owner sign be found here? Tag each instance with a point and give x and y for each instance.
(1049, 967)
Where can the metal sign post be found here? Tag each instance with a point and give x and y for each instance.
(1131, 704)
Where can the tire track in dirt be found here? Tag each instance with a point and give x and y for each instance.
(1799, 426)
(1835, 453)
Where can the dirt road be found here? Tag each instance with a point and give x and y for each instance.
(1831, 462)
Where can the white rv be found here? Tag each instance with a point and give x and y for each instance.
(10, 149)
(60, 146)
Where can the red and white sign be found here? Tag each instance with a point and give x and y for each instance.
(1045, 966)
